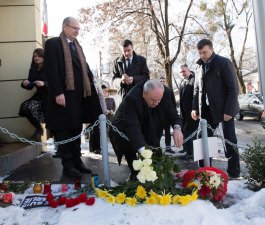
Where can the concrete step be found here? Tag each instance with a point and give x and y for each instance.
(14, 155)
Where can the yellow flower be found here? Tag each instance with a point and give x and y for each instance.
(155, 195)
(194, 195)
(184, 200)
(192, 185)
(131, 201)
(120, 198)
(110, 199)
(165, 199)
(141, 192)
(150, 200)
(100, 193)
(176, 199)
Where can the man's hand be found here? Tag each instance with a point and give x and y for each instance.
(227, 117)
(178, 137)
(39, 83)
(60, 100)
(194, 115)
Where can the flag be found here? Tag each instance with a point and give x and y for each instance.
(44, 19)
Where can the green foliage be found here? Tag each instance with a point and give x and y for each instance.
(254, 156)
(165, 167)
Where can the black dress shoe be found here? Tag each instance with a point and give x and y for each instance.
(72, 172)
(83, 169)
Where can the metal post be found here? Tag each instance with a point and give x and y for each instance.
(259, 17)
(205, 145)
(104, 149)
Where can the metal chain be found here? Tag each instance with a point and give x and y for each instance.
(24, 140)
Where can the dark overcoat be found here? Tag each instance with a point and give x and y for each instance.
(71, 116)
(142, 125)
(186, 96)
(220, 84)
(138, 70)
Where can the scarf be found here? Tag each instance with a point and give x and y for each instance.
(69, 81)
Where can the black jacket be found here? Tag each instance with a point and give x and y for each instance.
(221, 87)
(186, 95)
(138, 70)
(134, 120)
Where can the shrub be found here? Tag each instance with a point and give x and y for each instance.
(254, 156)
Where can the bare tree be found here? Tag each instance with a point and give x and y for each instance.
(157, 35)
(230, 19)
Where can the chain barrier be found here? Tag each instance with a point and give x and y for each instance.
(24, 140)
(90, 128)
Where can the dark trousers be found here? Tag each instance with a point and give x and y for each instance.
(70, 152)
(167, 136)
(122, 147)
(231, 153)
(94, 140)
(189, 126)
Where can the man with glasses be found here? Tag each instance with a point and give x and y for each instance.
(70, 80)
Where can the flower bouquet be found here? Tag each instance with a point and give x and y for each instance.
(210, 182)
(156, 183)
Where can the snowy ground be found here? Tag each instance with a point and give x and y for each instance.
(247, 208)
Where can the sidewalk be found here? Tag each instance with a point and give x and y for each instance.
(45, 167)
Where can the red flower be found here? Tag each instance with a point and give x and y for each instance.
(62, 200)
(49, 197)
(90, 201)
(82, 197)
(8, 197)
(204, 191)
(76, 201)
(53, 204)
(69, 203)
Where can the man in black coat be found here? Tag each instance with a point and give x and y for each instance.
(215, 99)
(129, 69)
(141, 116)
(70, 80)
(186, 97)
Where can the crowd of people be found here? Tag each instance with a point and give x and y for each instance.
(68, 96)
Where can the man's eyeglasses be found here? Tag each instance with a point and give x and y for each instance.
(75, 28)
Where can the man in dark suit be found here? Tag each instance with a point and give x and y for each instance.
(129, 69)
(70, 80)
(141, 116)
(186, 97)
(215, 99)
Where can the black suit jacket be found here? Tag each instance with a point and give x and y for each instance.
(186, 96)
(138, 70)
(133, 118)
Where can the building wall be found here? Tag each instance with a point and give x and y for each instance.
(20, 34)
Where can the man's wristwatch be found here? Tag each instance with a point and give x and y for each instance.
(178, 127)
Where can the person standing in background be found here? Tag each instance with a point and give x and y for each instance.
(130, 68)
(186, 97)
(167, 126)
(70, 81)
(110, 103)
(215, 99)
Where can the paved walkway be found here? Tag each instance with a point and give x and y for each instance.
(45, 167)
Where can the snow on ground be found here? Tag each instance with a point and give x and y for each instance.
(247, 208)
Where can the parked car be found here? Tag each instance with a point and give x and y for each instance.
(250, 105)
(262, 119)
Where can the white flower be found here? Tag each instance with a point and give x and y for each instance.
(152, 176)
(215, 180)
(147, 154)
(137, 164)
(147, 162)
(146, 170)
(141, 177)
